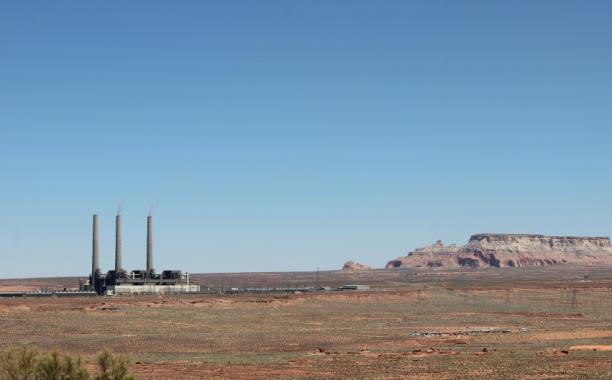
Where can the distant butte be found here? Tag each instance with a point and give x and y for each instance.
(510, 250)
(352, 265)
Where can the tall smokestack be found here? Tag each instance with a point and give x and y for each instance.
(118, 243)
(149, 243)
(95, 260)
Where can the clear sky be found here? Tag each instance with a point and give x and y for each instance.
(286, 135)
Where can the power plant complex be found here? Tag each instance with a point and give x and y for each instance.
(119, 281)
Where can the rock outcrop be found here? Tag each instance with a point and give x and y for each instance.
(510, 250)
(351, 265)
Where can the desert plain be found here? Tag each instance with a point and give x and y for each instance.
(552, 322)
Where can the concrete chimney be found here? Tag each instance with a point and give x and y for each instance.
(95, 258)
(149, 243)
(118, 243)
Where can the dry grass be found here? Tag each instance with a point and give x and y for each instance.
(351, 335)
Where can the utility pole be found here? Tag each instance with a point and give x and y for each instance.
(574, 300)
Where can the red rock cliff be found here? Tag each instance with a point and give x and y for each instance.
(511, 250)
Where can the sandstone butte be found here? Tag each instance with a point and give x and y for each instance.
(510, 250)
(351, 265)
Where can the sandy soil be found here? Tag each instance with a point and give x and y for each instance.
(444, 325)
(17, 288)
(592, 348)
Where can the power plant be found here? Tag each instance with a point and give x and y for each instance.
(120, 281)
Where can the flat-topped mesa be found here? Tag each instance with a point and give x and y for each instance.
(511, 250)
(599, 240)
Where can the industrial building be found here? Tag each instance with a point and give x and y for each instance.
(120, 281)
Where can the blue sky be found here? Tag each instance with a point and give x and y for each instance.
(276, 135)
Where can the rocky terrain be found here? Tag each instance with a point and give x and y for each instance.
(510, 250)
(352, 265)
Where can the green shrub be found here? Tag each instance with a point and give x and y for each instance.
(18, 364)
(113, 367)
(61, 367)
(28, 364)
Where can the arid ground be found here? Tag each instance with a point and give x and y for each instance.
(525, 323)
